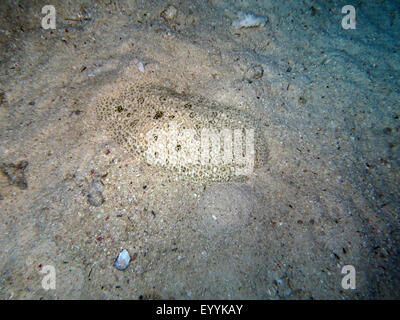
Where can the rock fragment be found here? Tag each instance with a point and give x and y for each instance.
(254, 72)
(15, 173)
(95, 196)
(169, 13)
(2, 97)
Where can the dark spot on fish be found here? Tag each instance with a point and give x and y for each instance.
(158, 115)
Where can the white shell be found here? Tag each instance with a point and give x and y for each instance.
(248, 20)
(140, 66)
(122, 261)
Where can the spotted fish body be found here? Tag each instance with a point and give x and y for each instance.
(187, 135)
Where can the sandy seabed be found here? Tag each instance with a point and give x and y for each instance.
(325, 98)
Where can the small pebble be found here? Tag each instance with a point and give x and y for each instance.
(254, 72)
(95, 196)
(122, 261)
(169, 13)
(15, 173)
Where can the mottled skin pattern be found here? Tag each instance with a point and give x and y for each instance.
(138, 110)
